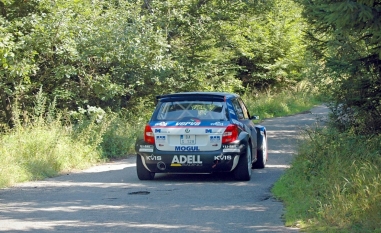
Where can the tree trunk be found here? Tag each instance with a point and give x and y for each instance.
(7, 107)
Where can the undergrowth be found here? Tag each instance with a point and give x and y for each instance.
(47, 143)
(302, 97)
(334, 183)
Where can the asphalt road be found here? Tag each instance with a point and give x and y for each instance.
(110, 197)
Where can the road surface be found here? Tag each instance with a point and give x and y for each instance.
(110, 197)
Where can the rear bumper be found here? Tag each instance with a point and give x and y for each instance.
(223, 160)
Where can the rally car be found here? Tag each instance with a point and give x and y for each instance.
(201, 132)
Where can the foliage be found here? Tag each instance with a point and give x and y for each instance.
(42, 151)
(333, 184)
(344, 38)
(82, 53)
(194, 37)
(49, 142)
(269, 46)
(43, 147)
(120, 137)
(274, 103)
(119, 55)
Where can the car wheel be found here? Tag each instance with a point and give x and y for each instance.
(261, 155)
(143, 173)
(243, 170)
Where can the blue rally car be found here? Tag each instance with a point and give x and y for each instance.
(201, 132)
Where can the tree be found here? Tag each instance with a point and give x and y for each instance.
(80, 52)
(269, 47)
(197, 43)
(17, 19)
(346, 35)
(120, 54)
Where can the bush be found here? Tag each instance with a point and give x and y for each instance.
(119, 139)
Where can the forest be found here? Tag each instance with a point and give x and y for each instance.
(117, 55)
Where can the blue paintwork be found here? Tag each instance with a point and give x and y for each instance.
(248, 131)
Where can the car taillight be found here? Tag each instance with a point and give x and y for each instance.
(230, 134)
(148, 135)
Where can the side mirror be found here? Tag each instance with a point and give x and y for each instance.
(254, 117)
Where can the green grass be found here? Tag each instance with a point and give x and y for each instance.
(275, 104)
(38, 152)
(119, 139)
(46, 149)
(334, 183)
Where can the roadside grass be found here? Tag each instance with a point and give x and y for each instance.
(302, 97)
(119, 138)
(125, 126)
(334, 183)
(33, 153)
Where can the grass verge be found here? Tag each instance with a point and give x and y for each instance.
(38, 152)
(334, 183)
(288, 102)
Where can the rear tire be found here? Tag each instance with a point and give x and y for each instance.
(142, 172)
(261, 155)
(243, 170)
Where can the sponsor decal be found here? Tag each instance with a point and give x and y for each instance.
(160, 138)
(161, 131)
(175, 164)
(230, 148)
(146, 148)
(153, 157)
(190, 123)
(217, 123)
(223, 157)
(186, 148)
(215, 138)
(208, 130)
(163, 123)
(186, 160)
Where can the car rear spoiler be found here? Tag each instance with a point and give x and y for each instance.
(191, 96)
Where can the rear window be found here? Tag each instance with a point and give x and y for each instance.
(182, 110)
